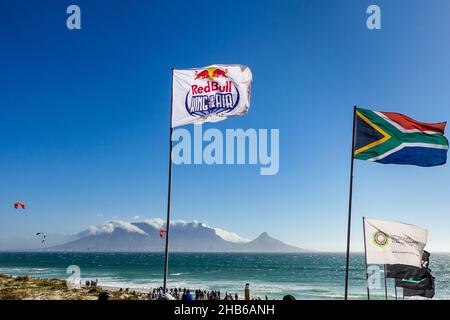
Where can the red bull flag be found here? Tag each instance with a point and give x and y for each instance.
(393, 138)
(210, 94)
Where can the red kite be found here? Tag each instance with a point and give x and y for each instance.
(17, 204)
(161, 233)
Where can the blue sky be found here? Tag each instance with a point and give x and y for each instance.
(84, 114)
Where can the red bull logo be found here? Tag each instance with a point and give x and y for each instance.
(210, 73)
(213, 93)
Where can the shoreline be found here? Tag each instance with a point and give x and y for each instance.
(31, 288)
(26, 287)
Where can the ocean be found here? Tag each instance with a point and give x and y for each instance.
(305, 275)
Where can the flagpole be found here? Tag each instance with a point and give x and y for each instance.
(365, 258)
(349, 222)
(169, 193)
(385, 284)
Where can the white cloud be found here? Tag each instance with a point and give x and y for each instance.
(155, 222)
(230, 236)
(225, 235)
(183, 223)
(159, 223)
(110, 226)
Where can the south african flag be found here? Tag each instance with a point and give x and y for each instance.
(388, 137)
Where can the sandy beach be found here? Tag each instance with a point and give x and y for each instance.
(28, 288)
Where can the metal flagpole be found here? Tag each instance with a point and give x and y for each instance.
(385, 284)
(169, 192)
(349, 222)
(365, 258)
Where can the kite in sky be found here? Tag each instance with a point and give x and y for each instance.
(43, 235)
(21, 204)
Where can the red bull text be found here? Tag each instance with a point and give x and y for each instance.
(209, 97)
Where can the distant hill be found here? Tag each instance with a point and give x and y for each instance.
(122, 236)
(265, 243)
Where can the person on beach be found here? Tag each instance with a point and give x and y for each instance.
(186, 296)
(247, 291)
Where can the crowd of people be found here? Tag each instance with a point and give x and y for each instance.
(90, 283)
(188, 295)
(184, 294)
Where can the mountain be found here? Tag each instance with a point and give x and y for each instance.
(265, 243)
(115, 236)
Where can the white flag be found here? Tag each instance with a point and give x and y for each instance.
(390, 242)
(210, 94)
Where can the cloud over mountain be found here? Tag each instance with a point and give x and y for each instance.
(110, 226)
(185, 236)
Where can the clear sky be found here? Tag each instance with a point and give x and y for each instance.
(84, 114)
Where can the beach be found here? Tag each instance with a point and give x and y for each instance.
(29, 288)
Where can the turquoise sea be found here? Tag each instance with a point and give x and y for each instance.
(306, 276)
